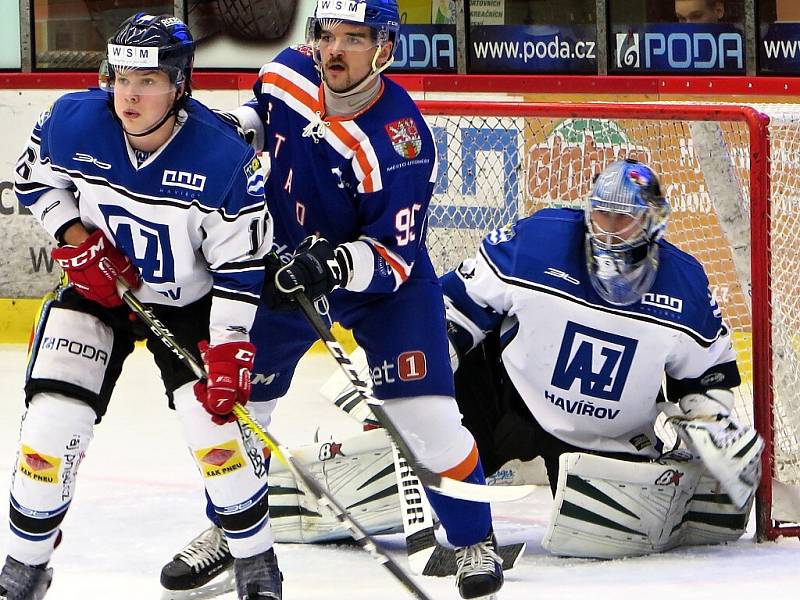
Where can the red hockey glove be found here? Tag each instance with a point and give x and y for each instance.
(93, 269)
(228, 367)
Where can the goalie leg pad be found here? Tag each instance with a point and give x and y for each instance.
(608, 508)
(358, 470)
(55, 434)
(711, 517)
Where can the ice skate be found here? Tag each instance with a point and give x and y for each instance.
(258, 577)
(203, 569)
(479, 569)
(24, 582)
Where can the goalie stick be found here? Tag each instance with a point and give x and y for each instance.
(283, 453)
(426, 556)
(431, 480)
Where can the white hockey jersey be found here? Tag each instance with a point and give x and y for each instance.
(590, 372)
(192, 217)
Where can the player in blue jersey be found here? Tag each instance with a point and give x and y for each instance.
(115, 177)
(352, 169)
(565, 323)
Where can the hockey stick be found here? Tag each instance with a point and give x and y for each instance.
(282, 452)
(426, 556)
(431, 480)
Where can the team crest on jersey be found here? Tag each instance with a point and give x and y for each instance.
(255, 177)
(504, 234)
(598, 360)
(405, 137)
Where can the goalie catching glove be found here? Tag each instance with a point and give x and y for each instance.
(316, 269)
(731, 452)
(93, 268)
(228, 381)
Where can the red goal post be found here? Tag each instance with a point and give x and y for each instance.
(733, 208)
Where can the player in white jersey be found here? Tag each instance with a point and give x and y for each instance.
(586, 311)
(116, 177)
(352, 171)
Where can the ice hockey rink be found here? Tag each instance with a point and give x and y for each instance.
(139, 499)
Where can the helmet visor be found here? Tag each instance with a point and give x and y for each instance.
(331, 34)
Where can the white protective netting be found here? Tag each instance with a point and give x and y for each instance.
(494, 169)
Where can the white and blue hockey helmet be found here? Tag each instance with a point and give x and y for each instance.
(626, 215)
(150, 43)
(382, 16)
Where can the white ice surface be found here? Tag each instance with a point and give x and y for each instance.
(139, 499)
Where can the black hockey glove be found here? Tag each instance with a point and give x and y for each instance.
(313, 271)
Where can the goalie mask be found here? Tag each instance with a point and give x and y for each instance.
(626, 215)
(382, 16)
(147, 43)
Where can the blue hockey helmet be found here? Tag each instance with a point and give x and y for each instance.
(144, 41)
(382, 16)
(626, 215)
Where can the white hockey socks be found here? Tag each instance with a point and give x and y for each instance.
(56, 431)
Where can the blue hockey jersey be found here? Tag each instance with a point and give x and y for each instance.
(364, 181)
(192, 216)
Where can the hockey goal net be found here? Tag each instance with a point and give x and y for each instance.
(732, 177)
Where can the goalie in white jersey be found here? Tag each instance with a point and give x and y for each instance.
(141, 184)
(586, 312)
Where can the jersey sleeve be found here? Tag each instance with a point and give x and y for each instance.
(393, 194)
(39, 186)
(476, 296)
(238, 235)
(704, 359)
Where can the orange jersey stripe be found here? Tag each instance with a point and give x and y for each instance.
(291, 88)
(462, 470)
(338, 129)
(299, 94)
(398, 268)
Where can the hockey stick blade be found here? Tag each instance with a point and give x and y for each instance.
(443, 561)
(444, 485)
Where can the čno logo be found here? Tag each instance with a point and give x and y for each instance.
(184, 179)
(628, 52)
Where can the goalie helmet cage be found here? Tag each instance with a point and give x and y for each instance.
(732, 178)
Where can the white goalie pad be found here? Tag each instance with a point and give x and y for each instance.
(359, 471)
(607, 508)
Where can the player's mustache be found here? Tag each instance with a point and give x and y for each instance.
(335, 63)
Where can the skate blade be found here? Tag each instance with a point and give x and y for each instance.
(224, 583)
